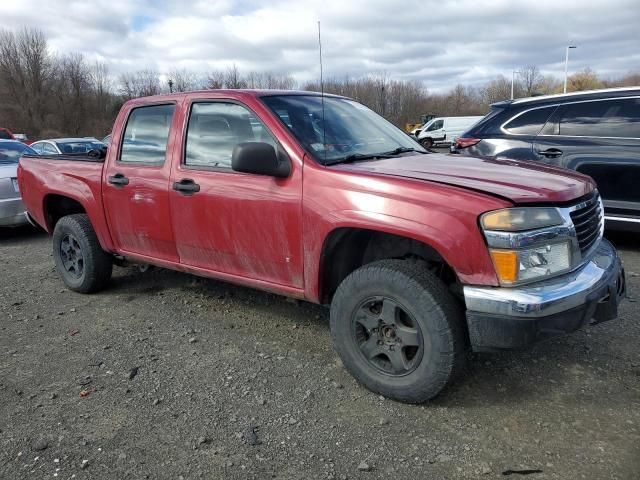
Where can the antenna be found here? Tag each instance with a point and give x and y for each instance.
(324, 132)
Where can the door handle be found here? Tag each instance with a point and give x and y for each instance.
(119, 180)
(550, 152)
(186, 186)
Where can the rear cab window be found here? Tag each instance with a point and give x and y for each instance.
(146, 135)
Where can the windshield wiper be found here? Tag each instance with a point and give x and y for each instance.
(404, 150)
(354, 157)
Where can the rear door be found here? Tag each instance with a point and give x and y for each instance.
(136, 187)
(235, 223)
(600, 138)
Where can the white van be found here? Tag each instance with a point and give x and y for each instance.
(444, 130)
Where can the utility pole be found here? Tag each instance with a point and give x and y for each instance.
(566, 65)
(513, 79)
(170, 82)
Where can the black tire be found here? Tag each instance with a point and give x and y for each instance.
(427, 142)
(429, 309)
(80, 261)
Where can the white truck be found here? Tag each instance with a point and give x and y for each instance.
(444, 130)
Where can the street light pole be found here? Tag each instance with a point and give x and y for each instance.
(566, 66)
(513, 79)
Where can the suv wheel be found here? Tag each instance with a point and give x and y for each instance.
(398, 330)
(80, 261)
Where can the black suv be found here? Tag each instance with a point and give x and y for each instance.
(596, 133)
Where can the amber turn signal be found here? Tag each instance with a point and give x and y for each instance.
(506, 265)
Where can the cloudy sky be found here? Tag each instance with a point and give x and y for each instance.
(441, 43)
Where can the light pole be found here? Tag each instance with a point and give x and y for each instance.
(513, 79)
(566, 66)
(170, 82)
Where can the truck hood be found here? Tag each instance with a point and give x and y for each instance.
(515, 180)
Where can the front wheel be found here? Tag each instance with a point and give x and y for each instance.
(427, 142)
(80, 261)
(398, 330)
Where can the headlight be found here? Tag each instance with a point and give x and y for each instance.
(519, 219)
(516, 266)
(528, 243)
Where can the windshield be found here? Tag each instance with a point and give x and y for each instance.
(10, 152)
(80, 146)
(352, 130)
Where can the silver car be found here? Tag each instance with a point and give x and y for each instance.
(12, 210)
(63, 146)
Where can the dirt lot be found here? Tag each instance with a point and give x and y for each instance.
(234, 383)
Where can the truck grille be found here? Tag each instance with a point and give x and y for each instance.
(588, 220)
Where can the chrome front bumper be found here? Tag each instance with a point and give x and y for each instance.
(12, 212)
(504, 317)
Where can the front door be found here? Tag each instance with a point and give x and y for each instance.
(136, 189)
(240, 224)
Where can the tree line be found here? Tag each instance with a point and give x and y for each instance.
(47, 95)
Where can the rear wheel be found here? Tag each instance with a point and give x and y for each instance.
(398, 330)
(80, 261)
(427, 142)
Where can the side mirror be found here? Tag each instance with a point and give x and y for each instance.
(260, 158)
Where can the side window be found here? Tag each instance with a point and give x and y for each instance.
(37, 148)
(529, 123)
(146, 134)
(605, 118)
(215, 129)
(437, 125)
(49, 149)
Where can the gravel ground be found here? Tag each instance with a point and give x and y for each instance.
(165, 375)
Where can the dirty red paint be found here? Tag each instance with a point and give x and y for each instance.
(269, 233)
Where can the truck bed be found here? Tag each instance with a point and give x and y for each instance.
(78, 177)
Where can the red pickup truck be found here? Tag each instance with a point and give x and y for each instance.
(421, 256)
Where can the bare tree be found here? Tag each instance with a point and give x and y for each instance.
(233, 79)
(269, 80)
(142, 83)
(530, 79)
(587, 79)
(73, 85)
(184, 80)
(215, 79)
(26, 70)
(548, 84)
(496, 90)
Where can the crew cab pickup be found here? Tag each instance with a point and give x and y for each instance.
(419, 255)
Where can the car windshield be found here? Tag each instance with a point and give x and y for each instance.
(80, 146)
(10, 152)
(352, 131)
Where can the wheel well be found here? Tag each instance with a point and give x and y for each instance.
(58, 206)
(347, 249)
